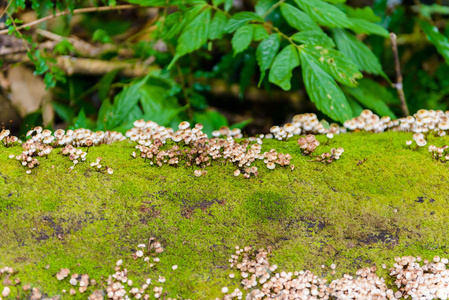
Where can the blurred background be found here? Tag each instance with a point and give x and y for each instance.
(69, 70)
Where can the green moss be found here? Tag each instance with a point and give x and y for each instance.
(342, 213)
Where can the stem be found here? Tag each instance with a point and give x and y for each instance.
(75, 11)
(184, 91)
(398, 85)
(276, 5)
(6, 9)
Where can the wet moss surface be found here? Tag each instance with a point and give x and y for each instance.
(378, 201)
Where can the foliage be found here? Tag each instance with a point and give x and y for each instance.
(316, 45)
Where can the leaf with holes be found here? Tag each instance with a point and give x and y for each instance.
(358, 52)
(323, 90)
(335, 63)
(368, 95)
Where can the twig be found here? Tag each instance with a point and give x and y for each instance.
(398, 85)
(75, 11)
(6, 9)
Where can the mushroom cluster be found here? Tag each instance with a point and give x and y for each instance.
(119, 282)
(329, 157)
(427, 281)
(31, 150)
(7, 139)
(308, 144)
(439, 153)
(200, 151)
(261, 280)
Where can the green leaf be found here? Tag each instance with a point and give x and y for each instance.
(103, 115)
(355, 106)
(63, 47)
(364, 26)
(101, 36)
(242, 38)
(247, 72)
(241, 124)
(193, 36)
(104, 85)
(198, 101)
(211, 120)
(148, 2)
(65, 112)
(358, 52)
(324, 13)
(240, 19)
(427, 10)
(217, 2)
(298, 19)
(266, 51)
(335, 1)
(262, 6)
(323, 91)
(283, 65)
(365, 13)
(81, 121)
(368, 94)
(217, 25)
(228, 4)
(158, 105)
(440, 41)
(335, 63)
(260, 32)
(313, 37)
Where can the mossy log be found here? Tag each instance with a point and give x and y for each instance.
(379, 200)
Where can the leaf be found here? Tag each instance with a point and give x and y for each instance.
(364, 26)
(247, 72)
(313, 37)
(101, 36)
(335, 1)
(365, 13)
(242, 38)
(323, 91)
(324, 13)
(358, 52)
(228, 4)
(298, 19)
(65, 112)
(148, 2)
(217, 2)
(103, 114)
(260, 32)
(158, 105)
(217, 25)
(81, 121)
(105, 84)
(240, 19)
(335, 63)
(283, 65)
(211, 120)
(262, 6)
(440, 41)
(266, 51)
(241, 124)
(367, 94)
(427, 10)
(193, 36)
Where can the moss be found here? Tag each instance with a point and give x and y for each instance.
(342, 213)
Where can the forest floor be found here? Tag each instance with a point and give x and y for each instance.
(379, 200)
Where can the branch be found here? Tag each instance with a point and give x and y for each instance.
(398, 85)
(75, 11)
